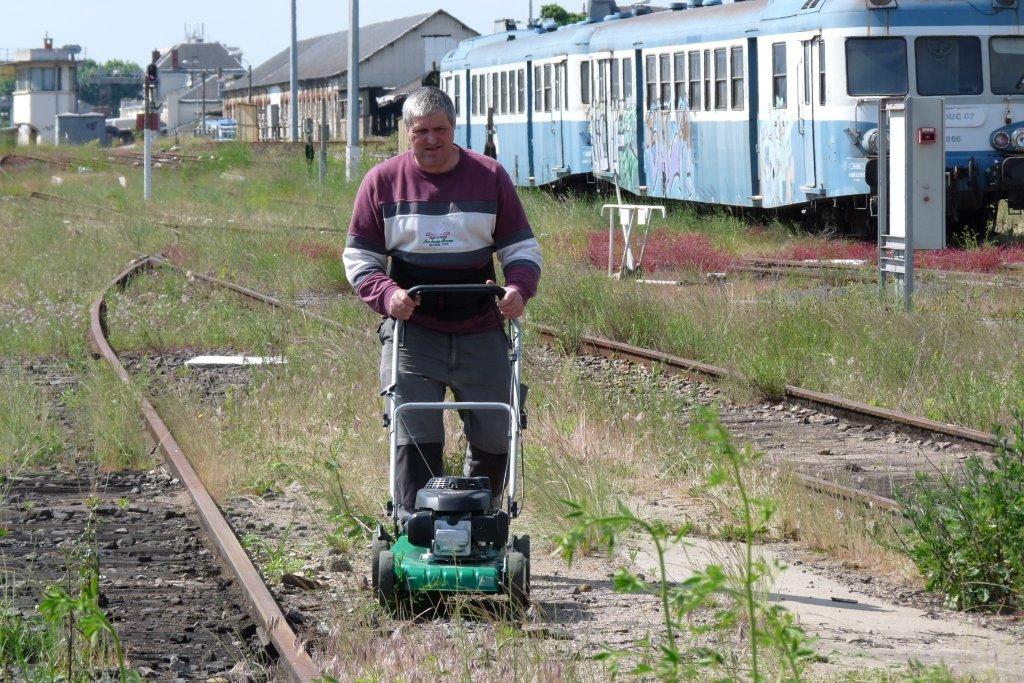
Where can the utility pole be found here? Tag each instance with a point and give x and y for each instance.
(293, 105)
(352, 150)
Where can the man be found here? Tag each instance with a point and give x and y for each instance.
(436, 215)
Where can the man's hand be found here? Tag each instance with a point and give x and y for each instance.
(402, 305)
(512, 304)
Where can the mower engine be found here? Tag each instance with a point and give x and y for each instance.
(454, 519)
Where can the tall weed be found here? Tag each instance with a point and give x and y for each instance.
(965, 533)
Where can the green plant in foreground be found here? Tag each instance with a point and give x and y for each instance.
(272, 556)
(689, 649)
(965, 534)
(69, 639)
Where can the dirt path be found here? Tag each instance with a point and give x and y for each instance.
(857, 630)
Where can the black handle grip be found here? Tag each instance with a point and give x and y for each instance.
(496, 290)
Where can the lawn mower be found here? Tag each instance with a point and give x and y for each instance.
(457, 539)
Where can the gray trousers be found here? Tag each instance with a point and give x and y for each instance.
(476, 368)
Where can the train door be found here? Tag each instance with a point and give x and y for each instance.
(602, 130)
(530, 104)
(558, 106)
(806, 102)
(468, 100)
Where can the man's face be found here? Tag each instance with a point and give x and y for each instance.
(431, 138)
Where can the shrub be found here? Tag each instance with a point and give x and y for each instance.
(965, 535)
(688, 251)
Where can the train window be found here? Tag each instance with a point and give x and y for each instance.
(503, 101)
(694, 93)
(547, 87)
(806, 71)
(736, 84)
(600, 80)
(614, 80)
(707, 80)
(779, 90)
(821, 72)
(948, 65)
(494, 92)
(627, 79)
(650, 69)
(876, 66)
(563, 68)
(556, 90)
(679, 80)
(665, 80)
(721, 79)
(1006, 65)
(585, 82)
(521, 91)
(474, 96)
(458, 95)
(538, 88)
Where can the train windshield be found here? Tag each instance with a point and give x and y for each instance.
(1006, 64)
(876, 66)
(948, 65)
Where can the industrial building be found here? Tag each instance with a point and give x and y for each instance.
(391, 55)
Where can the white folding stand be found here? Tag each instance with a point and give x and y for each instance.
(631, 217)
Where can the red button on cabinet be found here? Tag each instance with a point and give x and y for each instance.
(925, 135)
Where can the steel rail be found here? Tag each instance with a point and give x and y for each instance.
(611, 348)
(292, 657)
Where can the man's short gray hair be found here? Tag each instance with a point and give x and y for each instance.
(426, 101)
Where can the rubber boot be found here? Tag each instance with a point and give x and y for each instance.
(494, 466)
(416, 464)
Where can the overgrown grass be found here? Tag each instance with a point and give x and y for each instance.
(29, 431)
(946, 366)
(109, 419)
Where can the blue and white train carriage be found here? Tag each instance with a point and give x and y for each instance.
(759, 103)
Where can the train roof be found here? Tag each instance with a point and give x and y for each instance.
(720, 22)
(518, 46)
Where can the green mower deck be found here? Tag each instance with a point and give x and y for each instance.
(415, 572)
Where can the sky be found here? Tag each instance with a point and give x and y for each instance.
(107, 29)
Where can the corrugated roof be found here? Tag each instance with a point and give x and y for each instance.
(212, 56)
(327, 55)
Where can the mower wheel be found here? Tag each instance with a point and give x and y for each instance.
(517, 582)
(521, 544)
(385, 583)
(377, 546)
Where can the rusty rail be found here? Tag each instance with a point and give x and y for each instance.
(292, 657)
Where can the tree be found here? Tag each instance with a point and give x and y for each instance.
(108, 95)
(561, 15)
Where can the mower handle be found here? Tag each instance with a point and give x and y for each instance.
(496, 290)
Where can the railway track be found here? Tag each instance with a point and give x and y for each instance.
(930, 431)
(1009, 275)
(263, 614)
(291, 658)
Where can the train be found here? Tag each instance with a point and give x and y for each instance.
(768, 105)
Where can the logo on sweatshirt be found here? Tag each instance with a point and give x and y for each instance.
(433, 239)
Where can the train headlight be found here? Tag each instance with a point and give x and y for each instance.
(1001, 140)
(871, 142)
(1018, 138)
